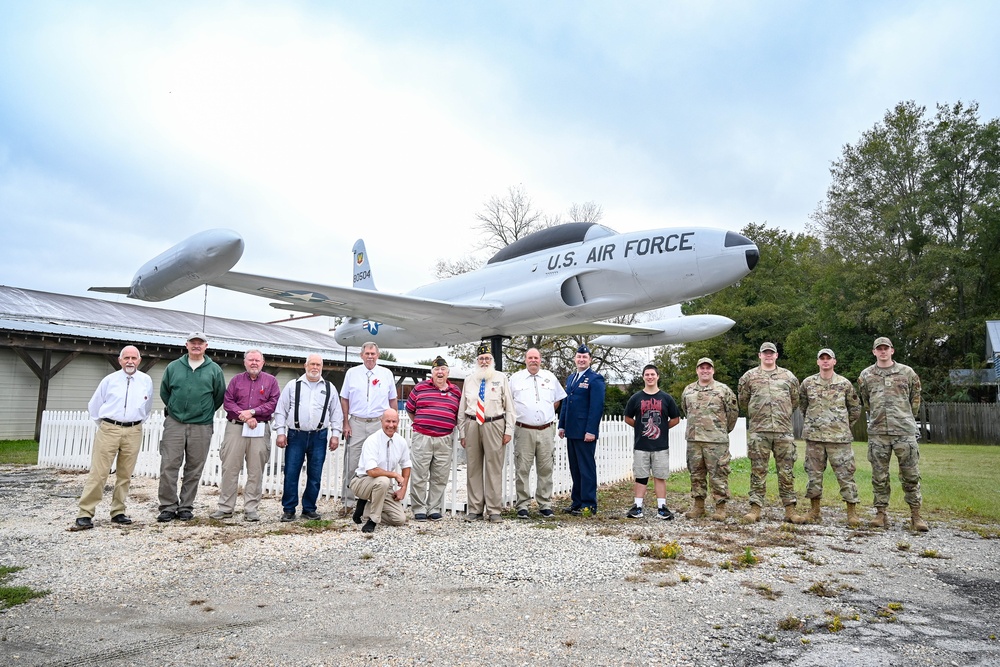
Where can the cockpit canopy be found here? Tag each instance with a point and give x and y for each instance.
(552, 237)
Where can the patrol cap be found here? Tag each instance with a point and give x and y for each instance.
(882, 340)
(705, 360)
(484, 348)
(583, 349)
(768, 346)
(200, 335)
(439, 361)
(827, 351)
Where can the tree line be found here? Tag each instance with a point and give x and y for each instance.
(906, 244)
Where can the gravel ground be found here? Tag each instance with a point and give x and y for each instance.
(572, 591)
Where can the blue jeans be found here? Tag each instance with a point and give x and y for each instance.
(308, 446)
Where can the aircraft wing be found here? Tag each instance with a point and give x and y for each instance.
(397, 309)
(598, 328)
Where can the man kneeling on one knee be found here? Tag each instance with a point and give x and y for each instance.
(382, 476)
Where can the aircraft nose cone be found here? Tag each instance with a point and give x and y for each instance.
(753, 256)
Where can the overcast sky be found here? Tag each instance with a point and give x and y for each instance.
(127, 126)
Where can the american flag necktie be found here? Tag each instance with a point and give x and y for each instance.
(480, 406)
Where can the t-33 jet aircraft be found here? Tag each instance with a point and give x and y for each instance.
(563, 280)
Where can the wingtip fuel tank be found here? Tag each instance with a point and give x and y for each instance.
(194, 261)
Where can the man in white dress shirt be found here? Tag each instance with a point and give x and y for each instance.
(381, 478)
(120, 405)
(368, 391)
(537, 394)
(307, 421)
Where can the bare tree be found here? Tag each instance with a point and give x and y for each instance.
(504, 220)
(446, 268)
(586, 212)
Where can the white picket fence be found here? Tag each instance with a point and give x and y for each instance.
(67, 437)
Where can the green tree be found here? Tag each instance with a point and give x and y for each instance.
(911, 226)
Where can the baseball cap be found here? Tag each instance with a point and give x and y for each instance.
(827, 351)
(768, 346)
(197, 334)
(705, 360)
(882, 340)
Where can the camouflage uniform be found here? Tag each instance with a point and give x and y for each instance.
(769, 398)
(892, 397)
(711, 414)
(829, 408)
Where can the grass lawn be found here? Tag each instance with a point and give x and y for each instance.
(19, 451)
(957, 481)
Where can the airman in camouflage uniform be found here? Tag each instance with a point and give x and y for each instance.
(711, 411)
(829, 405)
(769, 394)
(891, 393)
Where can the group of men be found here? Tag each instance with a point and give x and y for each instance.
(491, 411)
(888, 390)
(308, 416)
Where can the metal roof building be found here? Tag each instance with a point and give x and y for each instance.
(55, 348)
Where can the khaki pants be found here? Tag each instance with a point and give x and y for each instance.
(534, 447)
(484, 448)
(360, 430)
(235, 450)
(187, 445)
(381, 507)
(111, 442)
(430, 457)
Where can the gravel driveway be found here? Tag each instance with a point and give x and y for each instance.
(572, 591)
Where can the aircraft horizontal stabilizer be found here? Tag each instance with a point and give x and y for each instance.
(110, 290)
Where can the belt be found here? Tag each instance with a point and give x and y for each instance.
(367, 420)
(487, 420)
(122, 424)
(534, 428)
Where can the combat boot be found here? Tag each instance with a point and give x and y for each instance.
(720, 511)
(753, 516)
(792, 517)
(852, 515)
(698, 510)
(881, 519)
(916, 522)
(814, 515)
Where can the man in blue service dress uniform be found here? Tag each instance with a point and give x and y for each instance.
(579, 420)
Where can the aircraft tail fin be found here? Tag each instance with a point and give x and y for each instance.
(111, 290)
(361, 268)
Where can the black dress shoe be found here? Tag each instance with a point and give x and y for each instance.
(121, 520)
(83, 523)
(359, 511)
(185, 515)
(369, 527)
(166, 515)
(312, 516)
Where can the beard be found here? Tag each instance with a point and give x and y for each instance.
(483, 374)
